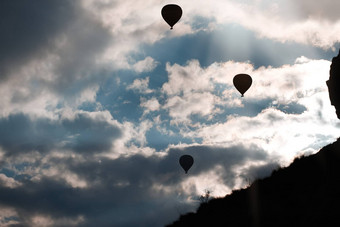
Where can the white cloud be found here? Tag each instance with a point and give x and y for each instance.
(25, 92)
(61, 173)
(182, 107)
(150, 105)
(8, 181)
(192, 90)
(281, 135)
(291, 122)
(309, 23)
(186, 79)
(140, 85)
(133, 141)
(290, 82)
(46, 221)
(146, 65)
(211, 180)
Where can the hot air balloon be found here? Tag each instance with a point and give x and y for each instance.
(171, 13)
(242, 82)
(186, 162)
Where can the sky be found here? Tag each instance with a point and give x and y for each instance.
(99, 99)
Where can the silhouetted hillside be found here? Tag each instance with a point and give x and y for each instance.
(307, 193)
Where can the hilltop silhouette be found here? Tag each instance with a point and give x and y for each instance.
(306, 193)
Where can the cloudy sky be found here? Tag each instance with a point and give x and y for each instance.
(99, 99)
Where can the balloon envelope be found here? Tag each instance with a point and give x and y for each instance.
(242, 82)
(186, 161)
(171, 14)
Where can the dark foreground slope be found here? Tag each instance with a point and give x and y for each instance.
(307, 193)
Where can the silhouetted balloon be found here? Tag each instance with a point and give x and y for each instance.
(186, 161)
(171, 14)
(242, 82)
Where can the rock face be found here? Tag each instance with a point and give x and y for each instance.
(334, 84)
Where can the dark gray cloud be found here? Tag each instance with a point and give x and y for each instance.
(83, 134)
(207, 157)
(154, 169)
(29, 30)
(121, 192)
(63, 29)
(106, 206)
(78, 67)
